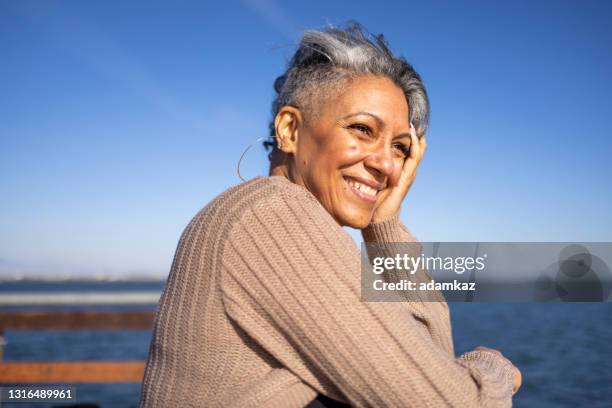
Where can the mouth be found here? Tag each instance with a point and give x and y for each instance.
(366, 190)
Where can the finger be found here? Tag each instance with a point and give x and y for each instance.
(518, 380)
(412, 161)
(415, 146)
(423, 143)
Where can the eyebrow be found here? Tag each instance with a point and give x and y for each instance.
(379, 121)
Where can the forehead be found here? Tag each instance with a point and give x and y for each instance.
(377, 95)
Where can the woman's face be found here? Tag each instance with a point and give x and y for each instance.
(352, 153)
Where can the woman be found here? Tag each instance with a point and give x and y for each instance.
(262, 306)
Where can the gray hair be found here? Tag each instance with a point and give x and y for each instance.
(326, 60)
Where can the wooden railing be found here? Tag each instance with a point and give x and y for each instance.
(78, 372)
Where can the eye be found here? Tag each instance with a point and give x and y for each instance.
(402, 148)
(361, 128)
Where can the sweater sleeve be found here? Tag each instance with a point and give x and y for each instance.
(482, 364)
(395, 235)
(391, 230)
(291, 281)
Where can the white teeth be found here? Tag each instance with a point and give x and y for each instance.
(362, 187)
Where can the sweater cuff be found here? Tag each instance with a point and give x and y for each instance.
(491, 367)
(389, 230)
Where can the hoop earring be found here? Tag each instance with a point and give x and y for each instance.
(261, 139)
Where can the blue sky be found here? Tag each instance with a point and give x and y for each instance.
(119, 120)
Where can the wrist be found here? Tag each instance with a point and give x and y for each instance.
(387, 230)
(376, 218)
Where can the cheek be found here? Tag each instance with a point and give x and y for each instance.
(345, 153)
(328, 150)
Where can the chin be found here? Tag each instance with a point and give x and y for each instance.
(355, 219)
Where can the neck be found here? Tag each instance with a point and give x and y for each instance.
(279, 166)
(279, 171)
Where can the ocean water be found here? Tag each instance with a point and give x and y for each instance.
(564, 350)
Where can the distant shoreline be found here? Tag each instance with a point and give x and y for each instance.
(84, 279)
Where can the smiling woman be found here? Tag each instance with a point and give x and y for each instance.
(262, 306)
(349, 97)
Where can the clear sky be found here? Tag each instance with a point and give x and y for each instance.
(119, 120)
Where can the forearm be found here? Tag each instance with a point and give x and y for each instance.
(389, 238)
(493, 374)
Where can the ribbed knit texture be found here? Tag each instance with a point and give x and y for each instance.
(262, 308)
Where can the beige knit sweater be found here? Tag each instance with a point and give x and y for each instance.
(262, 308)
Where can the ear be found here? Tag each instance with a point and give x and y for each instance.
(287, 124)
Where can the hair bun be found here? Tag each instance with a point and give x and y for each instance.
(279, 82)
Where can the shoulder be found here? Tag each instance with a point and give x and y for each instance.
(274, 206)
(260, 196)
(280, 222)
(271, 192)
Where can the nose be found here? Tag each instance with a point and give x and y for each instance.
(380, 161)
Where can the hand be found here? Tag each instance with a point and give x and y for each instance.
(518, 377)
(391, 204)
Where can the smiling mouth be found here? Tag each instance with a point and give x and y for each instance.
(361, 190)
